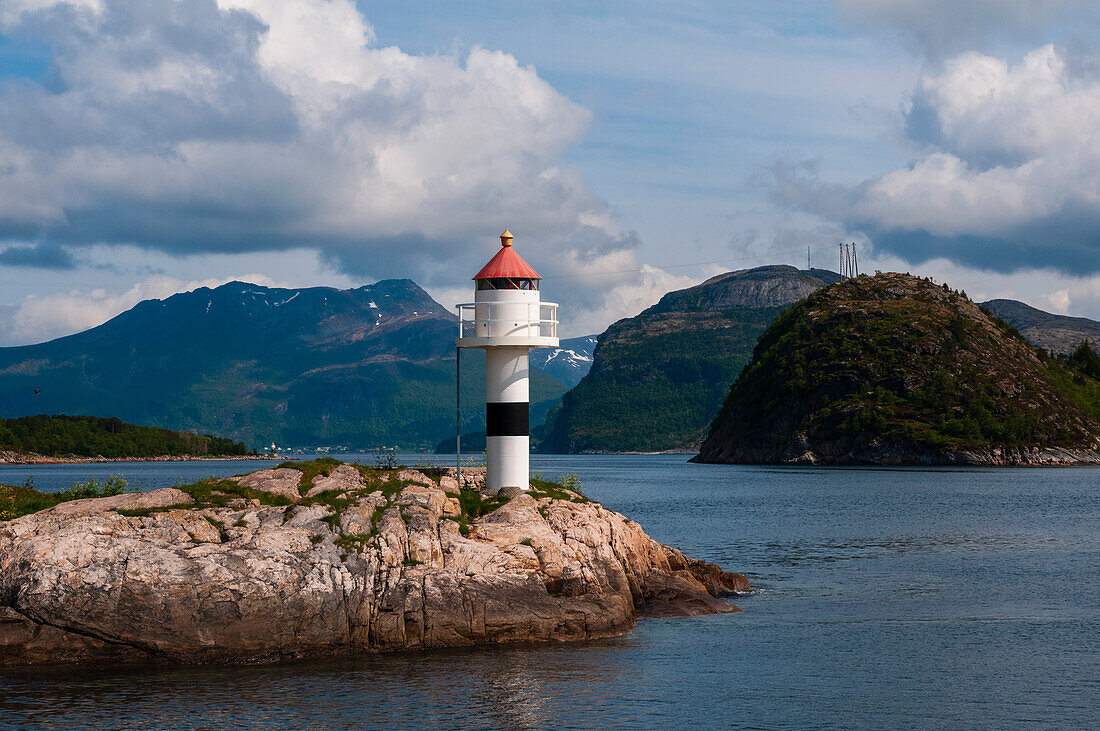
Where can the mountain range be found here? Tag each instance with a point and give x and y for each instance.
(375, 365)
(319, 366)
(658, 378)
(1057, 333)
(569, 362)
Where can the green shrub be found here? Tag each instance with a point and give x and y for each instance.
(474, 505)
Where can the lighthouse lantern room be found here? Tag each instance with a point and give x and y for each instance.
(507, 319)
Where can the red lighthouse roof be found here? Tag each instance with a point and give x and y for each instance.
(507, 263)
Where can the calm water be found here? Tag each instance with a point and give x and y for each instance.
(886, 599)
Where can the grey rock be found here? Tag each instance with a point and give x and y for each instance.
(265, 583)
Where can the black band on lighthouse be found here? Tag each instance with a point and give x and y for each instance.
(506, 420)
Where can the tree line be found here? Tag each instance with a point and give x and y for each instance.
(91, 436)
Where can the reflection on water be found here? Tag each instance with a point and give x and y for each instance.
(884, 599)
(508, 687)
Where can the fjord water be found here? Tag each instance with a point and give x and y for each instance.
(886, 598)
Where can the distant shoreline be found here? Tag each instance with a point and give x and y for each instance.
(662, 451)
(27, 458)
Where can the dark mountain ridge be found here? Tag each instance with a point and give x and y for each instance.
(316, 365)
(30, 437)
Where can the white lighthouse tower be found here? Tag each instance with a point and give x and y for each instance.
(507, 319)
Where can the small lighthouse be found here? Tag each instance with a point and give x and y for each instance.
(507, 319)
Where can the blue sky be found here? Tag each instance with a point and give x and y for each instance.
(149, 147)
(691, 103)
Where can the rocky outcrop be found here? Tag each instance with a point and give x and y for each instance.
(163, 498)
(852, 451)
(373, 561)
(896, 370)
(767, 286)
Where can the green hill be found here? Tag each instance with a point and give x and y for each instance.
(893, 369)
(657, 379)
(88, 436)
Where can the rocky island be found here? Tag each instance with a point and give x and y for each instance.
(897, 370)
(321, 558)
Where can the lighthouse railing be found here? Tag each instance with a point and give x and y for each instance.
(508, 319)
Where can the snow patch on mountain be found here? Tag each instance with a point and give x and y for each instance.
(286, 301)
(570, 362)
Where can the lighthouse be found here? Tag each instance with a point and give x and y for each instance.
(506, 319)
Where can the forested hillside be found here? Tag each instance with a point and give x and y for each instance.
(893, 369)
(88, 436)
(658, 378)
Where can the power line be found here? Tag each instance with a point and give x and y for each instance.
(754, 257)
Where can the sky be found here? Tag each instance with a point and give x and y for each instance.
(149, 147)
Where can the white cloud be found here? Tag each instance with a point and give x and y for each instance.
(985, 108)
(11, 11)
(1057, 301)
(944, 196)
(1010, 173)
(250, 125)
(1035, 127)
(606, 288)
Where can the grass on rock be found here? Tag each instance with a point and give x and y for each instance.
(322, 467)
(214, 493)
(19, 501)
(567, 487)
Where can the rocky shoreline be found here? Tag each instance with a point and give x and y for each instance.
(30, 458)
(331, 558)
(663, 451)
(879, 454)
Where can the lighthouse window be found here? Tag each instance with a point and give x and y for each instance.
(507, 283)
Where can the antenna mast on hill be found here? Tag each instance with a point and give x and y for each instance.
(849, 264)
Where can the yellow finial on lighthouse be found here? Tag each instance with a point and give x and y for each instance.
(506, 238)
